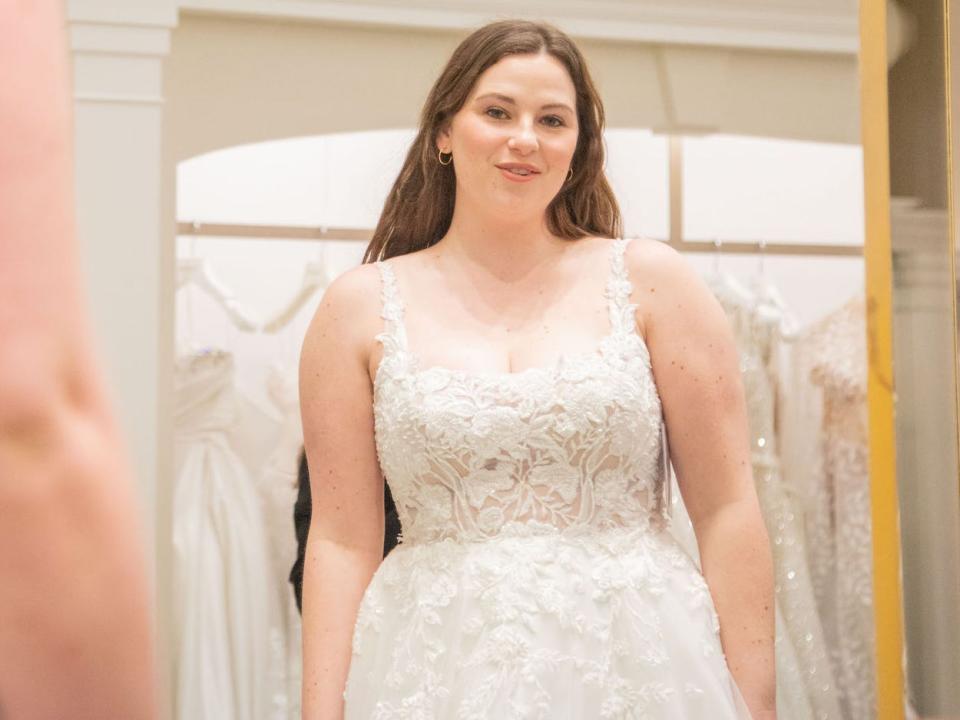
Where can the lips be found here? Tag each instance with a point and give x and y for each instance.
(519, 166)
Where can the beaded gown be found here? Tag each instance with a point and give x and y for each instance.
(833, 355)
(535, 575)
(806, 688)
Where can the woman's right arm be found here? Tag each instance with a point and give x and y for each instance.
(345, 542)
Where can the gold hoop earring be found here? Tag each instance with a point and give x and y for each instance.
(570, 174)
(440, 158)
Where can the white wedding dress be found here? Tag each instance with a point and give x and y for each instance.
(833, 356)
(277, 487)
(536, 576)
(221, 577)
(806, 688)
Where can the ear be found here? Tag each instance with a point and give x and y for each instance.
(443, 140)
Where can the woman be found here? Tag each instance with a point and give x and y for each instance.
(507, 363)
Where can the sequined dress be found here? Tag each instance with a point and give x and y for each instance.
(806, 688)
(834, 353)
(535, 577)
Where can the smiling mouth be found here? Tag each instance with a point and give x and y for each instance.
(519, 171)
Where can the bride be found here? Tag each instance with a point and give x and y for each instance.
(512, 367)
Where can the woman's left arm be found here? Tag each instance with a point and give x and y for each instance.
(696, 368)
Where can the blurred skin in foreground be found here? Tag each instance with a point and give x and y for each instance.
(75, 633)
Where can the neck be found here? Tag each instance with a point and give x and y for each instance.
(509, 249)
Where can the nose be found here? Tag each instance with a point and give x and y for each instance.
(524, 139)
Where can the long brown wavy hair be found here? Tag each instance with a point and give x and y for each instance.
(419, 209)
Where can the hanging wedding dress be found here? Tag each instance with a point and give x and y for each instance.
(277, 490)
(277, 480)
(220, 569)
(832, 356)
(535, 577)
(805, 686)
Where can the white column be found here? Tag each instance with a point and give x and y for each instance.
(118, 50)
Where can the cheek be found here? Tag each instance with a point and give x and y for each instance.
(559, 151)
(478, 136)
(569, 145)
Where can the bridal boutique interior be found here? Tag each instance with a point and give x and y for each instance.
(244, 304)
(797, 157)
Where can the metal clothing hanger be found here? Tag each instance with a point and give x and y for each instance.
(316, 276)
(193, 271)
(722, 281)
(772, 299)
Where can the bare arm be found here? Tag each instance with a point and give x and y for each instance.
(345, 544)
(696, 365)
(76, 639)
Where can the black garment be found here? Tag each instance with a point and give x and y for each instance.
(301, 523)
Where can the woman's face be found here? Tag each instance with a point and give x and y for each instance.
(522, 110)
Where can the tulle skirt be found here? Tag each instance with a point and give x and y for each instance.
(540, 623)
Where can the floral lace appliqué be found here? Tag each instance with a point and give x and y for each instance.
(535, 577)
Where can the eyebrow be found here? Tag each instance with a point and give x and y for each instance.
(508, 99)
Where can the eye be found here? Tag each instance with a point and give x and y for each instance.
(559, 121)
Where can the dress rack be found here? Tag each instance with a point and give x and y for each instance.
(291, 232)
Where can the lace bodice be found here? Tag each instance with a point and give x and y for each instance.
(576, 446)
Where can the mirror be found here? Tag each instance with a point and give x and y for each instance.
(741, 149)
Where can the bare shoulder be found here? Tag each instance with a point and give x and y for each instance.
(668, 290)
(347, 316)
(655, 261)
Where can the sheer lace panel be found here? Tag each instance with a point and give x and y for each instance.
(577, 445)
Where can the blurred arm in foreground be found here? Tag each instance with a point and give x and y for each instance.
(75, 634)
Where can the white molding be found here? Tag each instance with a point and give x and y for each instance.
(791, 25)
(117, 99)
(108, 38)
(118, 50)
(150, 14)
